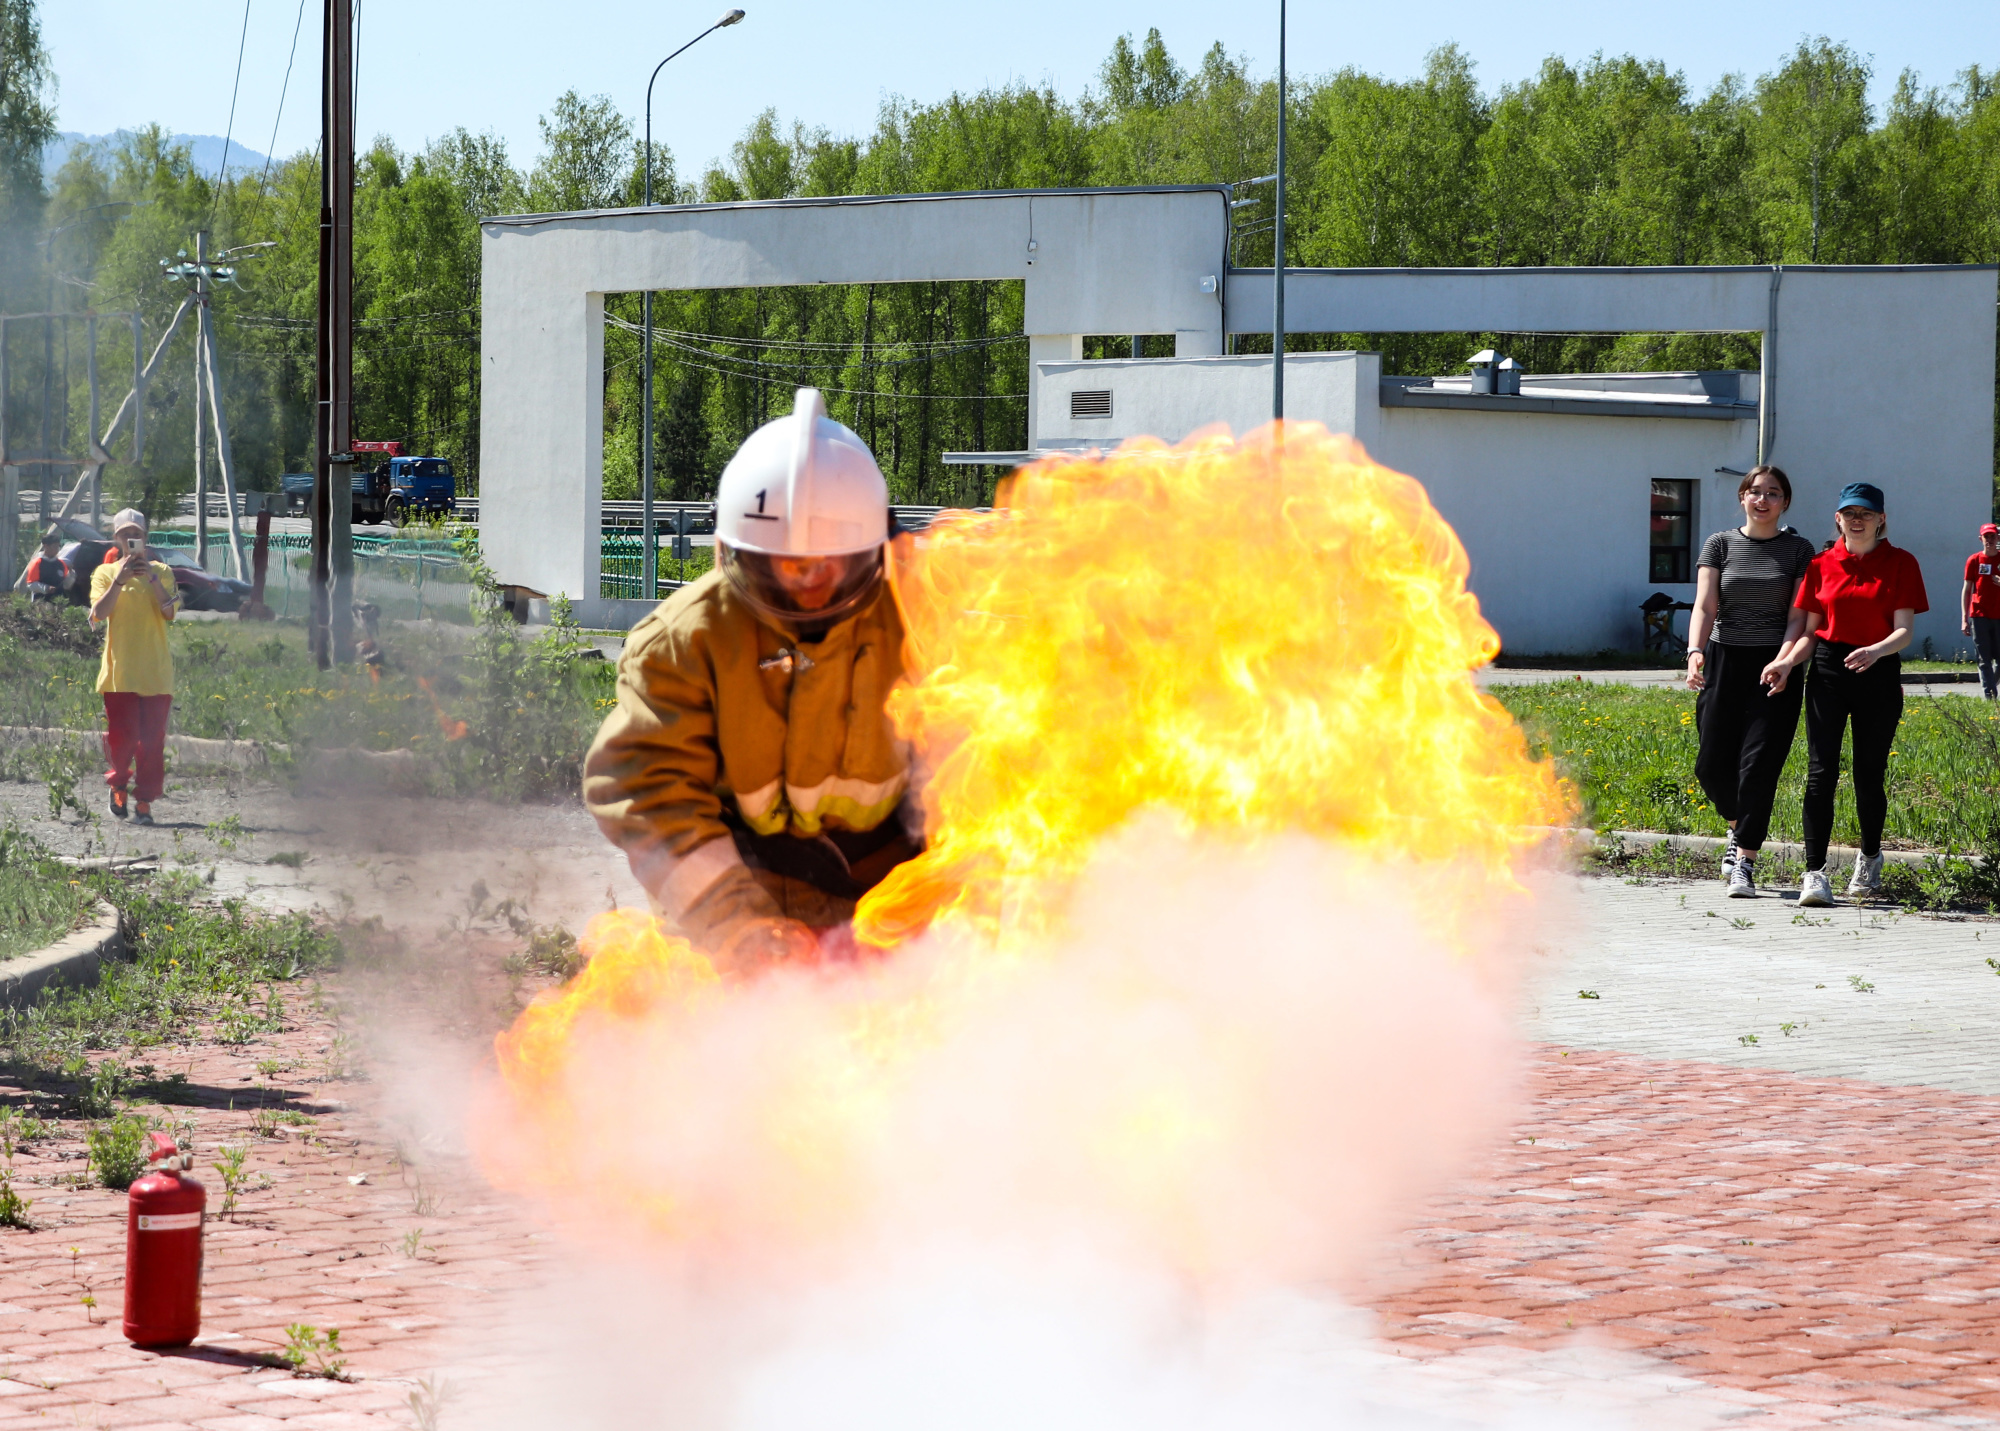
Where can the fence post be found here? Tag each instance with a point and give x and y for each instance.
(10, 529)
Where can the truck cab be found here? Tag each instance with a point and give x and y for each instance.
(402, 485)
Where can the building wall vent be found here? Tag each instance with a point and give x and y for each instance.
(1096, 403)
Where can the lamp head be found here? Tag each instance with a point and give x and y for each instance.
(729, 18)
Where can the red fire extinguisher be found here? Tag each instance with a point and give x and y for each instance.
(163, 1250)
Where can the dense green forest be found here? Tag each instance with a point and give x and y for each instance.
(1610, 160)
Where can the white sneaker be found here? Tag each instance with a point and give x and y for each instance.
(1816, 892)
(1743, 880)
(1730, 855)
(1867, 881)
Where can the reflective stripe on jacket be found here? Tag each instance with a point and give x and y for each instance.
(714, 704)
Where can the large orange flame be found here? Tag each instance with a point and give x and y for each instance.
(1256, 636)
(1246, 639)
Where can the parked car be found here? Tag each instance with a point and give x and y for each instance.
(84, 557)
(202, 590)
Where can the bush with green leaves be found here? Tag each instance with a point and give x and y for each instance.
(530, 706)
(118, 1150)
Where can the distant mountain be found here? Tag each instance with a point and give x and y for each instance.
(207, 151)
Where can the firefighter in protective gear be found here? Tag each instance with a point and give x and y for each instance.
(749, 770)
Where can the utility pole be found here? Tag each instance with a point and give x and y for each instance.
(1278, 245)
(92, 467)
(208, 274)
(48, 406)
(200, 436)
(333, 461)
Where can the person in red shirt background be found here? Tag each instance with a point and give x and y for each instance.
(1861, 597)
(1979, 608)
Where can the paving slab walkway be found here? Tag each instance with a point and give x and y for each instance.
(1680, 971)
(1819, 1250)
(1684, 1229)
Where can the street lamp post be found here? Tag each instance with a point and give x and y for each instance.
(648, 565)
(1278, 240)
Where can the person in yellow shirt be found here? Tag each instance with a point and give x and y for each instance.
(135, 597)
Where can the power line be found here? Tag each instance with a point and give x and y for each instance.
(354, 77)
(856, 392)
(965, 346)
(222, 176)
(283, 90)
(660, 332)
(266, 321)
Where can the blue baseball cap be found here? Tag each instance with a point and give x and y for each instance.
(1860, 494)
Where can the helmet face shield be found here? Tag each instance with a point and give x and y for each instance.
(810, 589)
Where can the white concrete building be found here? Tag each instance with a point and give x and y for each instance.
(1878, 373)
(1576, 500)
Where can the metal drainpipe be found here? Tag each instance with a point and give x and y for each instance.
(1767, 396)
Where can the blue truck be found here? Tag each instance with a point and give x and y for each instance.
(396, 488)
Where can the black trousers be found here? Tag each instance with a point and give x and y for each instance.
(1873, 701)
(1745, 736)
(1986, 638)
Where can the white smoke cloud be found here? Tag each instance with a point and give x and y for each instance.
(1110, 1183)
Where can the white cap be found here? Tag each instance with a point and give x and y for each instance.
(129, 517)
(803, 486)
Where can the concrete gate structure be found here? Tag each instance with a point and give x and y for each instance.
(1885, 373)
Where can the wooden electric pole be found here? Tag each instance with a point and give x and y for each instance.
(332, 509)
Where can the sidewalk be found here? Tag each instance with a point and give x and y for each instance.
(1685, 1230)
(1677, 979)
(1791, 1232)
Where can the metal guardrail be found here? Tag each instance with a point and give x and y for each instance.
(912, 516)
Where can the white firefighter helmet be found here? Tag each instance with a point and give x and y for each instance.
(801, 516)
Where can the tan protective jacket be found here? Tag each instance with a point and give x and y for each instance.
(715, 704)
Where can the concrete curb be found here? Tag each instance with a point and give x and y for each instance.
(73, 960)
(1835, 853)
(332, 768)
(194, 749)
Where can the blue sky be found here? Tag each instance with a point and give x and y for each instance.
(426, 66)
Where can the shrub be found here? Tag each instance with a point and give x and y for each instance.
(118, 1150)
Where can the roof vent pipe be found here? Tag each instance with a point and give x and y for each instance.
(1507, 378)
(1482, 363)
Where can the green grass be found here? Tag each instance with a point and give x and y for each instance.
(1630, 756)
(197, 969)
(40, 900)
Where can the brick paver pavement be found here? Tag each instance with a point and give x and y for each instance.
(348, 1221)
(1682, 1224)
(1823, 1248)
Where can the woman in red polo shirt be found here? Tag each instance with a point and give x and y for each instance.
(1979, 608)
(1861, 596)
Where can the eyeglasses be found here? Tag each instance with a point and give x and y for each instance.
(1764, 494)
(1857, 514)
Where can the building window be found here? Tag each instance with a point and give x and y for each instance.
(1671, 556)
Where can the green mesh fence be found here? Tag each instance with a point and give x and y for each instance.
(422, 576)
(409, 578)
